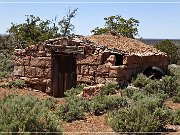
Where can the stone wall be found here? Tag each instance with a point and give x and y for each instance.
(105, 71)
(136, 64)
(33, 64)
(95, 64)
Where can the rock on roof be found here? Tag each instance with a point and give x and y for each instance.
(128, 45)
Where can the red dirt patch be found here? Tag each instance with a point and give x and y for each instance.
(173, 106)
(4, 92)
(91, 125)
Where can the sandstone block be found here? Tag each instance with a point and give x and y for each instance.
(103, 69)
(41, 53)
(92, 70)
(88, 79)
(78, 69)
(30, 71)
(26, 60)
(26, 79)
(46, 81)
(18, 70)
(40, 61)
(100, 80)
(79, 78)
(39, 72)
(40, 47)
(19, 52)
(85, 69)
(112, 80)
(18, 61)
(125, 60)
(116, 71)
(49, 90)
(91, 91)
(111, 60)
(22, 60)
(35, 81)
(47, 73)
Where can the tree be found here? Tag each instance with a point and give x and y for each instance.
(65, 24)
(119, 26)
(170, 48)
(34, 30)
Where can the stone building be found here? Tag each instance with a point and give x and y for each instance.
(61, 63)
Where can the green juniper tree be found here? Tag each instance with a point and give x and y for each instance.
(118, 26)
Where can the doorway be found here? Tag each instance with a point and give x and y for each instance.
(64, 75)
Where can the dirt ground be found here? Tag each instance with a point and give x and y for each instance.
(91, 124)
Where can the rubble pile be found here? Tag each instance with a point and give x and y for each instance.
(91, 91)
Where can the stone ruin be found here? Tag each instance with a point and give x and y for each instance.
(100, 59)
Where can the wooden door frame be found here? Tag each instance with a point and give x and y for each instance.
(58, 90)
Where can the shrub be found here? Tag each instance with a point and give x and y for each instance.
(74, 91)
(175, 71)
(150, 103)
(73, 109)
(100, 104)
(176, 98)
(154, 88)
(27, 114)
(138, 119)
(108, 89)
(141, 81)
(169, 85)
(166, 86)
(175, 117)
(14, 84)
(6, 66)
(129, 92)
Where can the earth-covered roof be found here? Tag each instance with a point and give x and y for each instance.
(128, 45)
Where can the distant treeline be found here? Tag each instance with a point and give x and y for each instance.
(155, 41)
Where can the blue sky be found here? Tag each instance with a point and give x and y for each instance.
(157, 20)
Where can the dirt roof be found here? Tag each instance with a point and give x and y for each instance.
(128, 45)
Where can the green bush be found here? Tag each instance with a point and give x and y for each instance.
(108, 89)
(6, 66)
(169, 85)
(154, 87)
(138, 119)
(74, 91)
(129, 92)
(150, 103)
(100, 104)
(141, 81)
(73, 109)
(175, 117)
(176, 98)
(14, 84)
(27, 114)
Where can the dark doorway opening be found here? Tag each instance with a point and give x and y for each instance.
(119, 59)
(64, 75)
(154, 72)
